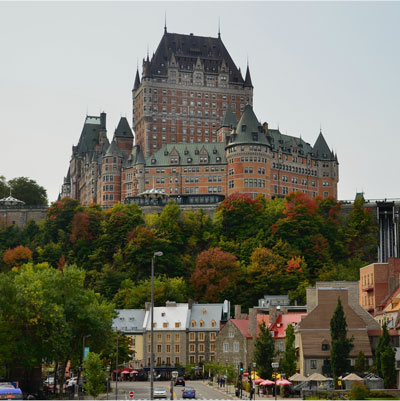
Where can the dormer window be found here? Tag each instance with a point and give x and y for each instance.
(243, 128)
(255, 137)
(218, 159)
(201, 324)
(177, 325)
(196, 152)
(215, 151)
(189, 160)
(165, 152)
(165, 325)
(192, 323)
(186, 152)
(153, 161)
(212, 323)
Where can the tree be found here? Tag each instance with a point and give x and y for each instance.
(95, 375)
(360, 367)
(383, 342)
(289, 360)
(264, 351)
(28, 191)
(17, 256)
(340, 344)
(385, 358)
(215, 276)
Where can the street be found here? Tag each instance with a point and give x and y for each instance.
(142, 391)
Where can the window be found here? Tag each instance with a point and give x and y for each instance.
(325, 347)
(212, 323)
(201, 336)
(226, 347)
(177, 325)
(231, 334)
(159, 338)
(159, 348)
(313, 364)
(177, 348)
(192, 323)
(201, 347)
(213, 336)
(201, 323)
(168, 348)
(168, 339)
(177, 360)
(168, 361)
(177, 337)
(191, 348)
(212, 347)
(235, 346)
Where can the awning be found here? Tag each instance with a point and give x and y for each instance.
(283, 382)
(126, 371)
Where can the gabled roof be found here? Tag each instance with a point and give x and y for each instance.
(123, 130)
(248, 129)
(285, 142)
(189, 154)
(170, 315)
(229, 119)
(206, 313)
(187, 49)
(321, 149)
(280, 325)
(129, 320)
(113, 150)
(243, 325)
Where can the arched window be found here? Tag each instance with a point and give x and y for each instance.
(201, 323)
(192, 323)
(212, 323)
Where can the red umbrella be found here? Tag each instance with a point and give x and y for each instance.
(134, 371)
(258, 381)
(267, 383)
(126, 371)
(116, 370)
(283, 382)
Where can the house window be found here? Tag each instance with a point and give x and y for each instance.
(191, 336)
(191, 359)
(201, 347)
(325, 347)
(159, 338)
(231, 334)
(213, 336)
(177, 360)
(159, 348)
(168, 348)
(212, 347)
(177, 337)
(235, 346)
(313, 364)
(191, 348)
(165, 325)
(192, 323)
(177, 325)
(201, 323)
(168, 338)
(226, 347)
(177, 349)
(212, 323)
(201, 336)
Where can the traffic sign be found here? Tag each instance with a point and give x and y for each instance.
(131, 394)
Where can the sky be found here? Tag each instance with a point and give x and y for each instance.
(329, 65)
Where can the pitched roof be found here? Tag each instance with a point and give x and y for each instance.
(229, 119)
(189, 154)
(321, 149)
(282, 322)
(137, 80)
(247, 80)
(243, 324)
(113, 149)
(207, 313)
(89, 136)
(186, 49)
(123, 130)
(129, 320)
(248, 129)
(169, 314)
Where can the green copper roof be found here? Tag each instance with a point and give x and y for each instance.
(113, 150)
(123, 130)
(248, 129)
(321, 149)
(188, 154)
(229, 119)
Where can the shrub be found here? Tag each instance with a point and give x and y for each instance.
(358, 391)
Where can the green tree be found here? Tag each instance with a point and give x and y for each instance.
(95, 375)
(264, 351)
(388, 366)
(28, 191)
(383, 342)
(289, 360)
(340, 344)
(360, 367)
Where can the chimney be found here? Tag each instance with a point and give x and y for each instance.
(273, 314)
(170, 303)
(238, 312)
(253, 322)
(191, 302)
(103, 120)
(147, 305)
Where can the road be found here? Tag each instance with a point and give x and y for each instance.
(142, 391)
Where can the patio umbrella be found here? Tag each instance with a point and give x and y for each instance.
(126, 371)
(259, 380)
(352, 377)
(267, 383)
(297, 377)
(283, 382)
(134, 371)
(317, 377)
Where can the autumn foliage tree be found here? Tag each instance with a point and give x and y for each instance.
(215, 275)
(17, 256)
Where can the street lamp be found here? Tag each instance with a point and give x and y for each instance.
(275, 366)
(83, 358)
(153, 259)
(116, 368)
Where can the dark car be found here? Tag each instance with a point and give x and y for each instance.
(180, 381)
(188, 392)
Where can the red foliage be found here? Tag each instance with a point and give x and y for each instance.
(299, 203)
(17, 256)
(80, 227)
(294, 265)
(236, 201)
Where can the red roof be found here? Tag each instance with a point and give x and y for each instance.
(282, 322)
(243, 324)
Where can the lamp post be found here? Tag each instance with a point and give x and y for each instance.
(83, 358)
(153, 259)
(254, 379)
(275, 366)
(116, 368)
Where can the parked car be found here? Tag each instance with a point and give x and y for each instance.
(180, 381)
(48, 383)
(160, 392)
(188, 392)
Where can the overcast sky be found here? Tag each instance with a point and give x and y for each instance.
(329, 64)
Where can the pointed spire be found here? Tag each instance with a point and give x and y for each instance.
(165, 22)
(137, 80)
(247, 80)
(219, 28)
